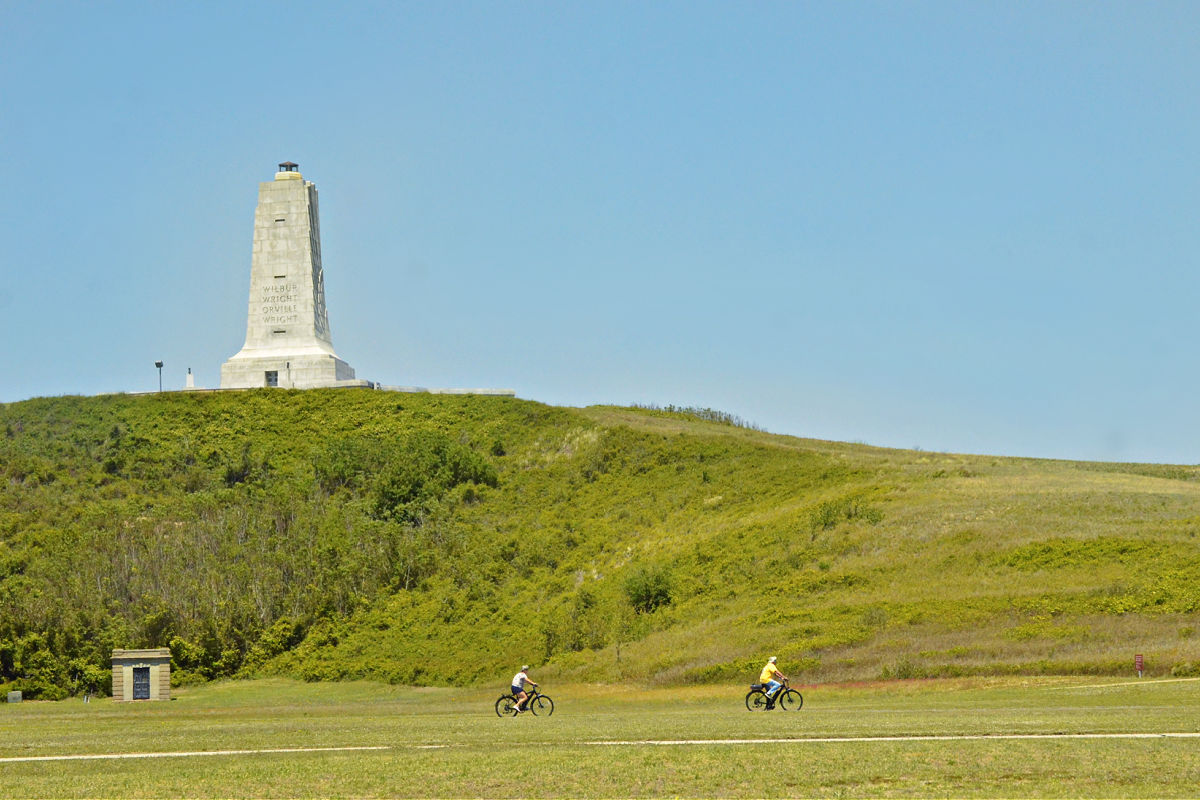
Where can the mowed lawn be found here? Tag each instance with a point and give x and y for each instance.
(982, 738)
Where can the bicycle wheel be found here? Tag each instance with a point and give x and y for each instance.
(790, 700)
(541, 706)
(756, 700)
(506, 706)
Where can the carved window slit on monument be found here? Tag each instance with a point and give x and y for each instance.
(280, 276)
(279, 330)
(281, 219)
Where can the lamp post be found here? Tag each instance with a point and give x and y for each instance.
(159, 365)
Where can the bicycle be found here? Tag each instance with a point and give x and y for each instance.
(541, 705)
(786, 698)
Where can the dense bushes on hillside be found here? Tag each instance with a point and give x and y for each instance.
(352, 534)
(117, 533)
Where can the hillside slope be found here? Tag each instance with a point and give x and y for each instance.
(440, 539)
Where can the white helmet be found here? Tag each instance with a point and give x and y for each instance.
(771, 659)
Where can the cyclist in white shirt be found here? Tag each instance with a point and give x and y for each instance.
(519, 682)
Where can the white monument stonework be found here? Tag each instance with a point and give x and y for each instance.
(287, 329)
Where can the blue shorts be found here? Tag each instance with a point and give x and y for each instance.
(516, 690)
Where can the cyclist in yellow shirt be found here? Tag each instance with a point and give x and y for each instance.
(772, 680)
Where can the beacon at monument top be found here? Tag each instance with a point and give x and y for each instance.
(287, 326)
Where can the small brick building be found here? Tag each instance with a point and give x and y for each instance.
(141, 674)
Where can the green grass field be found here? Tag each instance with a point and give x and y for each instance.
(1045, 737)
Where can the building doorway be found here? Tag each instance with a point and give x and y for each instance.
(141, 683)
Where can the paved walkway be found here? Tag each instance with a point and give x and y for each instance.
(949, 738)
(187, 754)
(622, 743)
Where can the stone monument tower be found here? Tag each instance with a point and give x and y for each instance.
(287, 329)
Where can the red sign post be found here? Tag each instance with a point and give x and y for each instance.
(1137, 663)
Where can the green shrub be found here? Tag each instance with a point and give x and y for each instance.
(831, 512)
(419, 471)
(648, 588)
(283, 635)
(343, 463)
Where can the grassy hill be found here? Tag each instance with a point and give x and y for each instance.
(427, 539)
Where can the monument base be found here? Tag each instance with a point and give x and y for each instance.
(287, 372)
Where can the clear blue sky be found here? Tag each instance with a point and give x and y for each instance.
(963, 226)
